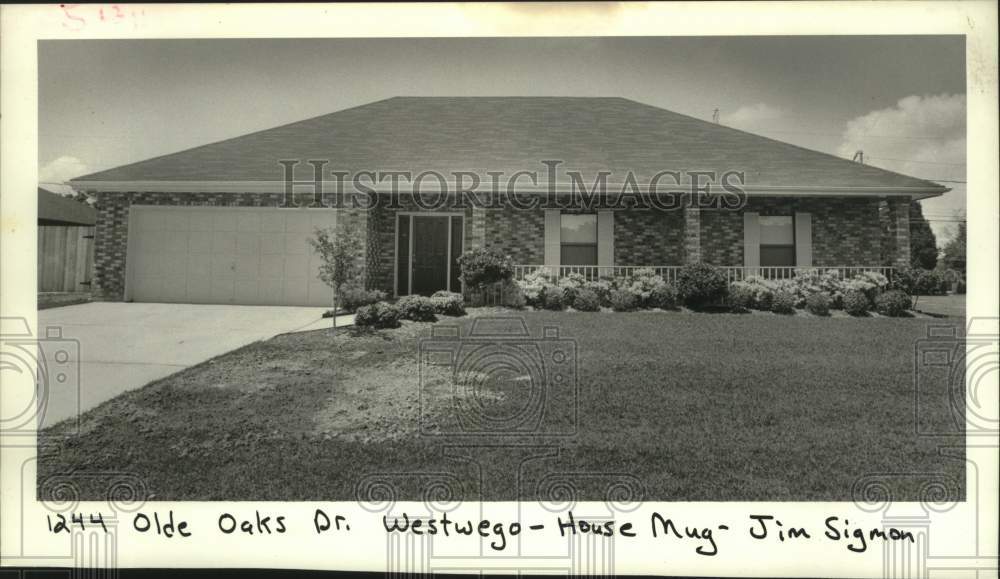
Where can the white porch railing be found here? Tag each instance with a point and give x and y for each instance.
(669, 272)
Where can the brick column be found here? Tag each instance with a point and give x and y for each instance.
(477, 227)
(110, 245)
(692, 234)
(899, 216)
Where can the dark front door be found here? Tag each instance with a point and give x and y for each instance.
(430, 254)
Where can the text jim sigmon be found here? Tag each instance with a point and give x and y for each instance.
(704, 539)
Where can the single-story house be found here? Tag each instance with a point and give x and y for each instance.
(439, 175)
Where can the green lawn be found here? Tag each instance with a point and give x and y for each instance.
(668, 406)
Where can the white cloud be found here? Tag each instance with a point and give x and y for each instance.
(53, 174)
(750, 117)
(921, 136)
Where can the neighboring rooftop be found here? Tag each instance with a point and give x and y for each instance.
(56, 209)
(511, 134)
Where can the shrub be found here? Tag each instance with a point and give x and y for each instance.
(791, 287)
(511, 295)
(554, 297)
(870, 283)
(954, 278)
(783, 303)
(642, 282)
(532, 286)
(416, 308)
(448, 303)
(960, 287)
(378, 315)
(761, 290)
(586, 300)
(482, 266)
(571, 284)
(353, 295)
(811, 281)
(623, 300)
(905, 279)
(920, 282)
(893, 303)
(741, 296)
(663, 296)
(700, 284)
(856, 302)
(818, 304)
(603, 290)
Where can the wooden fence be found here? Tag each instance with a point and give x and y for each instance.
(65, 258)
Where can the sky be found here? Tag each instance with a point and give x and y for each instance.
(899, 99)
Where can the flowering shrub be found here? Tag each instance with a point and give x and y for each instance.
(810, 281)
(603, 290)
(818, 304)
(623, 300)
(784, 303)
(869, 282)
(416, 308)
(642, 282)
(856, 302)
(378, 315)
(893, 303)
(571, 284)
(483, 266)
(532, 286)
(448, 303)
(790, 287)
(586, 301)
(700, 284)
(760, 290)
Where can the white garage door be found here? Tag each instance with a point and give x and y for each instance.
(226, 255)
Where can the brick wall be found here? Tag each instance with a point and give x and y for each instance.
(845, 232)
(649, 237)
(520, 232)
(721, 237)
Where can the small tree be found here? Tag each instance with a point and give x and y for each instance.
(923, 243)
(340, 248)
(954, 251)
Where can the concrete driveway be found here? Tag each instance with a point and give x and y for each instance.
(125, 345)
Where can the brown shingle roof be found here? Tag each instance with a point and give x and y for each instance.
(510, 134)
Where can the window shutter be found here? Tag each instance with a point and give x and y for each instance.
(803, 240)
(605, 238)
(751, 243)
(552, 247)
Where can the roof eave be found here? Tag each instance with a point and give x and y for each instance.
(279, 187)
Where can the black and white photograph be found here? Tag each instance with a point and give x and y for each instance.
(559, 271)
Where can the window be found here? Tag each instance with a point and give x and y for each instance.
(578, 239)
(777, 240)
